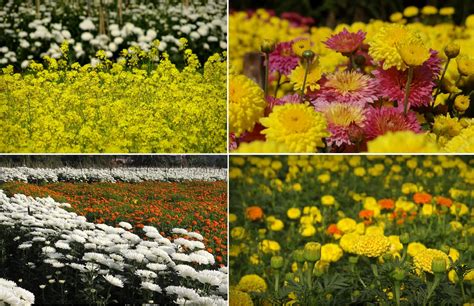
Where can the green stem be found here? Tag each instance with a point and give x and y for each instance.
(277, 281)
(353, 63)
(407, 90)
(309, 274)
(278, 85)
(267, 68)
(432, 288)
(461, 283)
(397, 292)
(438, 89)
(304, 80)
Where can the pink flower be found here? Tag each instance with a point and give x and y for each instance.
(347, 87)
(283, 59)
(345, 42)
(389, 119)
(272, 102)
(392, 82)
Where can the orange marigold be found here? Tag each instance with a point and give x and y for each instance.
(386, 203)
(366, 213)
(254, 213)
(422, 198)
(333, 230)
(444, 201)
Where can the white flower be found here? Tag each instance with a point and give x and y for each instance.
(125, 225)
(87, 25)
(151, 287)
(115, 281)
(86, 36)
(186, 271)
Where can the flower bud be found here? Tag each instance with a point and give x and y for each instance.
(398, 274)
(289, 277)
(356, 293)
(461, 103)
(463, 246)
(276, 262)
(404, 238)
(267, 46)
(309, 55)
(445, 248)
(312, 251)
(452, 50)
(298, 255)
(438, 265)
(353, 259)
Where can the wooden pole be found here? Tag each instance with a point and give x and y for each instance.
(119, 4)
(37, 9)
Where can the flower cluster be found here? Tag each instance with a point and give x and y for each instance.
(377, 87)
(309, 230)
(73, 259)
(143, 103)
(12, 294)
(27, 34)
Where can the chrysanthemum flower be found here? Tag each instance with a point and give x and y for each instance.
(402, 142)
(298, 126)
(463, 143)
(300, 45)
(314, 75)
(246, 104)
(383, 46)
(272, 101)
(283, 59)
(424, 259)
(379, 121)
(372, 245)
(340, 117)
(348, 87)
(414, 54)
(345, 42)
(392, 82)
(259, 146)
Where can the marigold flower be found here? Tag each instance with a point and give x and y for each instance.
(414, 248)
(366, 214)
(423, 259)
(239, 298)
(422, 198)
(252, 283)
(386, 203)
(331, 252)
(333, 230)
(443, 201)
(372, 245)
(347, 225)
(254, 213)
(410, 11)
(293, 213)
(328, 200)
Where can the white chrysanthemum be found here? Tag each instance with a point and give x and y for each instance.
(115, 281)
(151, 287)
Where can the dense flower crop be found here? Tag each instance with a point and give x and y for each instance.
(140, 104)
(319, 230)
(373, 84)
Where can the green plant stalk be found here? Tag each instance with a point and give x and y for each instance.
(407, 90)
(309, 275)
(278, 85)
(438, 89)
(304, 80)
(461, 284)
(267, 68)
(397, 292)
(432, 288)
(277, 281)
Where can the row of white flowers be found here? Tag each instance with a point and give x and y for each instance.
(24, 37)
(112, 257)
(35, 175)
(12, 294)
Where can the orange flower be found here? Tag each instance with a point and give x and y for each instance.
(366, 214)
(333, 230)
(254, 213)
(386, 203)
(444, 201)
(422, 198)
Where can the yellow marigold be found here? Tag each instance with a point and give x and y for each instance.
(465, 65)
(383, 46)
(239, 298)
(453, 254)
(402, 142)
(446, 11)
(298, 126)
(328, 200)
(446, 126)
(424, 258)
(372, 245)
(414, 248)
(246, 104)
(307, 230)
(395, 17)
(410, 11)
(463, 143)
(427, 210)
(395, 244)
(429, 10)
(374, 230)
(293, 213)
(414, 54)
(348, 242)
(347, 225)
(259, 146)
(331, 252)
(456, 225)
(269, 246)
(459, 209)
(238, 232)
(314, 75)
(252, 283)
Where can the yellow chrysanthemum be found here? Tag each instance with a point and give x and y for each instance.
(395, 17)
(463, 143)
(410, 11)
(470, 22)
(259, 146)
(314, 75)
(246, 104)
(465, 65)
(402, 142)
(415, 248)
(383, 46)
(429, 10)
(300, 46)
(298, 126)
(446, 11)
(446, 126)
(239, 298)
(414, 54)
(331, 252)
(424, 258)
(269, 246)
(461, 103)
(372, 245)
(252, 283)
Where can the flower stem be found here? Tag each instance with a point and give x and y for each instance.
(463, 293)
(267, 68)
(432, 288)
(304, 80)
(309, 275)
(407, 90)
(277, 281)
(397, 292)
(438, 89)
(277, 85)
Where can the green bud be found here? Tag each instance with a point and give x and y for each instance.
(398, 274)
(276, 262)
(356, 293)
(267, 46)
(298, 255)
(445, 248)
(404, 238)
(438, 265)
(353, 259)
(289, 277)
(329, 297)
(312, 251)
(452, 50)
(309, 55)
(463, 246)
(387, 257)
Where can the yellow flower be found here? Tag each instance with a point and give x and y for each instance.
(359, 171)
(410, 11)
(374, 230)
(347, 225)
(328, 200)
(446, 126)
(446, 11)
(453, 254)
(395, 17)
(277, 225)
(307, 230)
(232, 218)
(470, 21)
(312, 78)
(238, 232)
(461, 103)
(459, 209)
(414, 248)
(269, 246)
(427, 210)
(456, 225)
(402, 142)
(298, 126)
(414, 54)
(465, 65)
(372, 245)
(297, 187)
(331, 252)
(246, 104)
(239, 298)
(348, 242)
(259, 146)
(300, 46)
(395, 245)
(252, 283)
(293, 213)
(424, 259)
(429, 10)
(463, 143)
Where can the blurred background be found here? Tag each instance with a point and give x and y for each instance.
(332, 12)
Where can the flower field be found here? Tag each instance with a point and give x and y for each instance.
(402, 85)
(329, 230)
(113, 237)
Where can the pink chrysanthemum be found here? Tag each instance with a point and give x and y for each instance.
(392, 82)
(341, 118)
(283, 59)
(232, 142)
(345, 42)
(389, 119)
(272, 102)
(348, 87)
